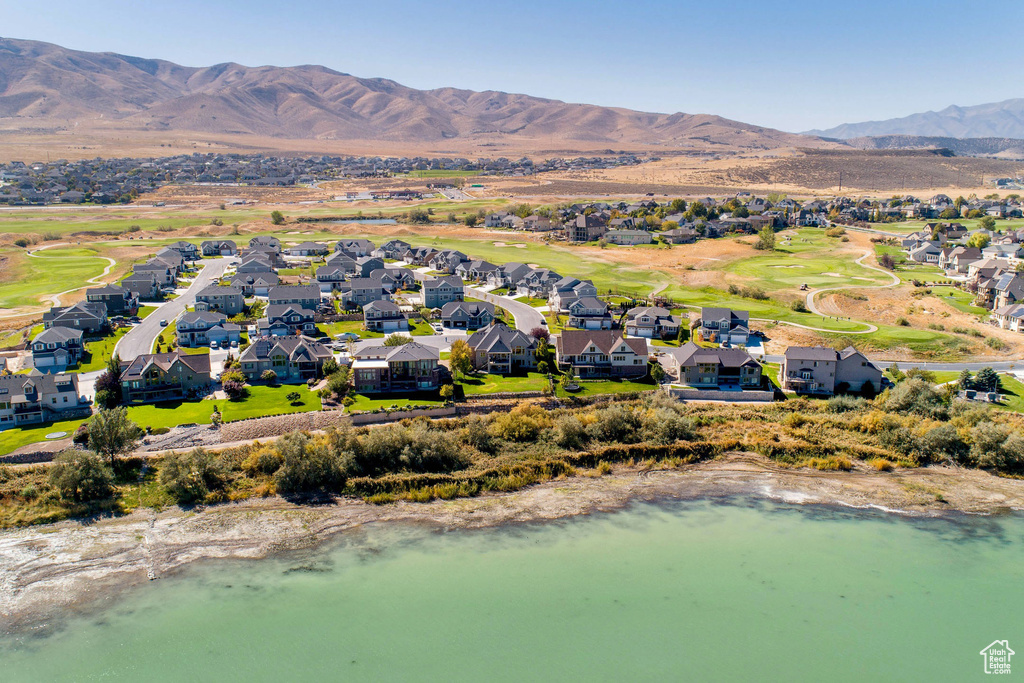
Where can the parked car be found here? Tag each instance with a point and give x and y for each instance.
(214, 344)
(234, 344)
(163, 322)
(344, 336)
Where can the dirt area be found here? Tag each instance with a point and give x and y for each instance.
(48, 572)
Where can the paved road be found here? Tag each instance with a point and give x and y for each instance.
(527, 317)
(140, 339)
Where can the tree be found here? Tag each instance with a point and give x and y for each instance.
(987, 223)
(269, 376)
(949, 213)
(567, 379)
(657, 372)
(81, 476)
(111, 433)
(540, 333)
(277, 218)
(190, 476)
(765, 239)
(669, 225)
(987, 380)
(966, 381)
(470, 221)
(979, 240)
(603, 243)
(294, 397)
(887, 262)
(397, 339)
(447, 392)
(461, 357)
(330, 367)
(741, 212)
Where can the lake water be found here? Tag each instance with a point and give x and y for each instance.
(744, 590)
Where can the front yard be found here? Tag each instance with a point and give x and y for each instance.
(365, 403)
(498, 384)
(608, 386)
(261, 401)
(98, 351)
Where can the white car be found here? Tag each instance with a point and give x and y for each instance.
(214, 344)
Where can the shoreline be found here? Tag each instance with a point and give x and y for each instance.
(51, 572)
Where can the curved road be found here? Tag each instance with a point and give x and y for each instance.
(141, 337)
(55, 298)
(815, 292)
(527, 317)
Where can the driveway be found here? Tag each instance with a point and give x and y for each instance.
(140, 339)
(527, 317)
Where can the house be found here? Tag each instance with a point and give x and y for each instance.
(589, 313)
(165, 273)
(500, 349)
(360, 291)
(821, 370)
(392, 249)
(218, 248)
(1009, 289)
(447, 260)
(718, 368)
(143, 285)
(255, 284)
(475, 271)
(384, 316)
(724, 325)
(228, 300)
(330, 278)
(118, 300)
(652, 322)
(957, 259)
(568, 289)
(265, 243)
(307, 296)
(255, 264)
(394, 278)
(354, 248)
(680, 235)
(88, 316)
(926, 252)
(172, 376)
(188, 251)
(365, 265)
(200, 328)
(285, 319)
(508, 275)
(467, 315)
(343, 262)
(293, 359)
(535, 223)
(384, 369)
(628, 237)
(308, 249)
(34, 398)
(438, 291)
(601, 353)
(56, 348)
(1010, 317)
(538, 283)
(585, 228)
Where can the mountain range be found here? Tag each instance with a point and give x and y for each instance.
(44, 85)
(996, 120)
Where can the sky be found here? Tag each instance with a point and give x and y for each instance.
(793, 65)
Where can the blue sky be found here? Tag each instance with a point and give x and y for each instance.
(791, 65)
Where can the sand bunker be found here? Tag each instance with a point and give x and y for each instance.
(796, 266)
(503, 244)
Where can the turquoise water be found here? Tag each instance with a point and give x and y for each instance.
(743, 590)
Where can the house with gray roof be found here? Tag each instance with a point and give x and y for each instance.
(285, 319)
(87, 316)
(118, 300)
(1010, 317)
(384, 316)
(228, 300)
(821, 370)
(596, 354)
(354, 248)
(359, 291)
(218, 248)
(724, 325)
(588, 313)
(393, 369)
(37, 398)
(652, 322)
(308, 249)
(308, 296)
(200, 328)
(295, 358)
(56, 348)
(467, 315)
(438, 291)
(173, 376)
(255, 284)
(714, 368)
(500, 349)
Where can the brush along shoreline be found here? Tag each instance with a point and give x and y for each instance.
(50, 572)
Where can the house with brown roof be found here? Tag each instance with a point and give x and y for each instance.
(154, 377)
(717, 368)
(601, 353)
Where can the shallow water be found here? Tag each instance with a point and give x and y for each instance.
(743, 590)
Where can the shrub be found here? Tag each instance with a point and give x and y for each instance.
(475, 433)
(615, 424)
(294, 397)
(570, 433)
(941, 444)
(189, 477)
(308, 465)
(269, 376)
(880, 464)
(795, 420)
(799, 306)
(22, 242)
(902, 322)
(845, 404)
(522, 423)
(233, 389)
(330, 367)
(995, 343)
(81, 476)
(835, 232)
(916, 396)
(263, 460)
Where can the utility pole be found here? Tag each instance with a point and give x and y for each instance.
(840, 182)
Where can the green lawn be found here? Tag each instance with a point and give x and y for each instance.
(10, 439)
(99, 351)
(969, 223)
(262, 400)
(959, 299)
(334, 329)
(7, 340)
(365, 403)
(497, 384)
(1013, 391)
(608, 386)
(27, 280)
(146, 310)
(532, 301)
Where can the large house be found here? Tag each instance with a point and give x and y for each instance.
(285, 319)
(355, 248)
(628, 237)
(56, 348)
(724, 325)
(31, 399)
(601, 353)
(652, 322)
(360, 291)
(188, 251)
(821, 370)
(719, 368)
(569, 289)
(172, 376)
(1009, 317)
(437, 291)
(330, 277)
(218, 248)
(228, 300)
(384, 316)
(85, 315)
(589, 313)
(467, 315)
(367, 264)
(255, 284)
(201, 328)
(500, 349)
(117, 299)
(293, 359)
(308, 249)
(307, 296)
(410, 367)
(144, 286)
(257, 263)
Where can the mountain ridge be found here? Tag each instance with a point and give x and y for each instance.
(44, 83)
(991, 120)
